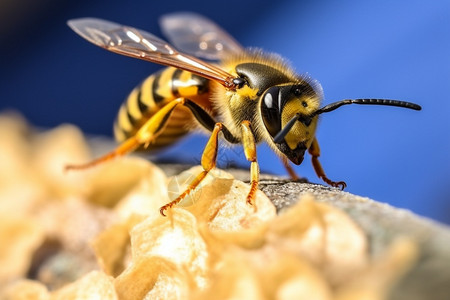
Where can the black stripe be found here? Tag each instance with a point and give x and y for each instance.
(202, 84)
(157, 98)
(175, 77)
(126, 133)
(143, 108)
(133, 121)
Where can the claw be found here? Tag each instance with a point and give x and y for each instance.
(165, 208)
(340, 184)
(337, 184)
(250, 201)
(162, 210)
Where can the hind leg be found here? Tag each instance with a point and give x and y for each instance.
(144, 136)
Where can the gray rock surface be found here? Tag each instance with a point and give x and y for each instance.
(429, 279)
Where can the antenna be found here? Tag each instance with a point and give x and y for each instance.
(330, 107)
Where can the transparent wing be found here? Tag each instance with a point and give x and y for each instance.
(198, 36)
(143, 45)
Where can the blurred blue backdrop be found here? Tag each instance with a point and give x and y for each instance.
(385, 49)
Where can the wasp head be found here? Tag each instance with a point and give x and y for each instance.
(291, 106)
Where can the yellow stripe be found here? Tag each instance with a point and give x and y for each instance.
(146, 93)
(165, 83)
(118, 133)
(133, 106)
(153, 125)
(186, 87)
(124, 121)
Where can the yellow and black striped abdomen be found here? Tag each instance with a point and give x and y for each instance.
(151, 95)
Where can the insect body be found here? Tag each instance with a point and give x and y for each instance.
(154, 93)
(250, 96)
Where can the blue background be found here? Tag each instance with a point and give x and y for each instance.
(356, 49)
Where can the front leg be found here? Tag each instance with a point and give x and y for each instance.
(314, 150)
(209, 157)
(248, 140)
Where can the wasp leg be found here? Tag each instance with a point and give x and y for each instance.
(207, 121)
(208, 163)
(290, 170)
(209, 154)
(144, 136)
(314, 150)
(248, 140)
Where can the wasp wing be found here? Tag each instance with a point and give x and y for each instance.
(198, 36)
(143, 45)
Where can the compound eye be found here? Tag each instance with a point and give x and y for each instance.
(270, 110)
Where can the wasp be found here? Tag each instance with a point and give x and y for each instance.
(212, 82)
